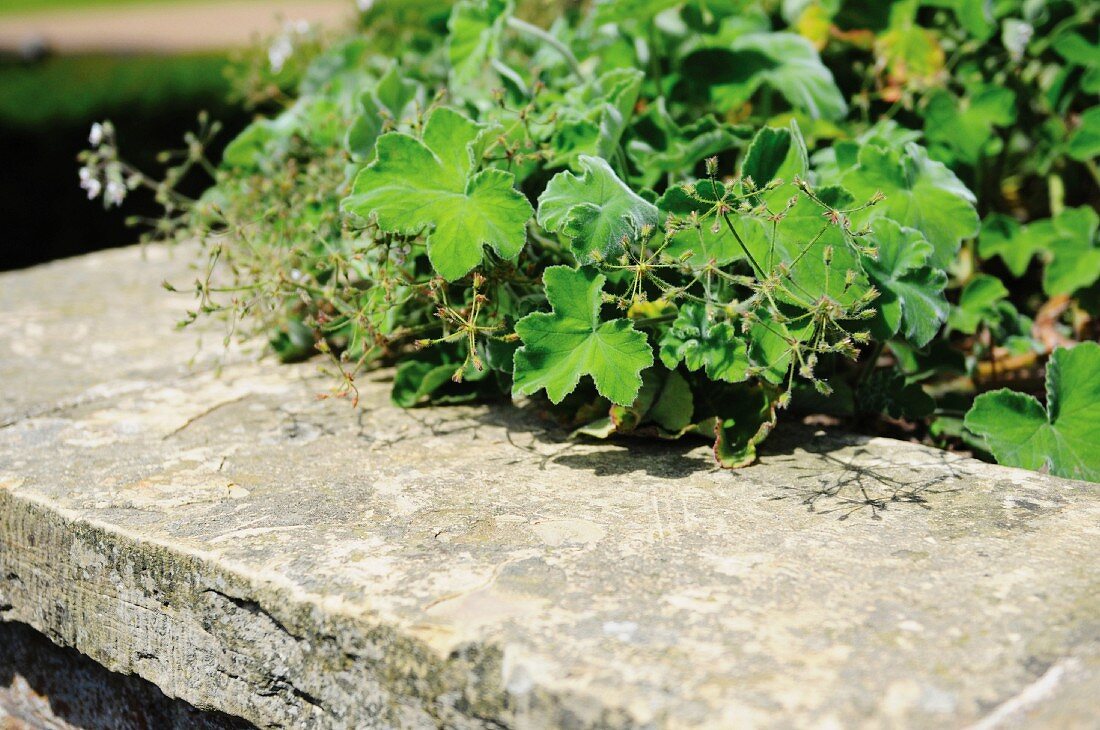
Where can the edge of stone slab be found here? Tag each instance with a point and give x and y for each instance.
(223, 637)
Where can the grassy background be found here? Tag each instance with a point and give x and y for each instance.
(80, 88)
(46, 109)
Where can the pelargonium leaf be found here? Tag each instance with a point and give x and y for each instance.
(1060, 438)
(965, 125)
(475, 27)
(1074, 256)
(746, 417)
(596, 209)
(1004, 236)
(699, 235)
(561, 346)
(1066, 242)
(910, 291)
(785, 62)
(977, 303)
(698, 342)
(430, 185)
(775, 154)
(821, 260)
(1084, 143)
(920, 193)
(594, 117)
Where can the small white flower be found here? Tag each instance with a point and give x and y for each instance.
(85, 175)
(301, 27)
(295, 275)
(115, 193)
(93, 186)
(1015, 35)
(281, 49)
(95, 137)
(364, 5)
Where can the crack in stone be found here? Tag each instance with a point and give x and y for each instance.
(253, 607)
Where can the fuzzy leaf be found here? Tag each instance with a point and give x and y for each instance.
(1084, 144)
(804, 240)
(596, 210)
(698, 342)
(977, 304)
(430, 185)
(920, 193)
(571, 341)
(1060, 438)
(475, 28)
(776, 154)
(1015, 244)
(965, 125)
(594, 116)
(1066, 242)
(746, 418)
(785, 62)
(1074, 256)
(911, 292)
(700, 236)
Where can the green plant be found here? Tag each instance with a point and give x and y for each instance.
(671, 218)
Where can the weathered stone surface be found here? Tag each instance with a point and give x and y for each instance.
(250, 548)
(43, 685)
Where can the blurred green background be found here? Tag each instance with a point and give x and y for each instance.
(46, 109)
(53, 89)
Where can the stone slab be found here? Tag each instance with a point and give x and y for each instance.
(250, 548)
(44, 686)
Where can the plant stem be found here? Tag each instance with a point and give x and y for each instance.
(537, 32)
(650, 321)
(741, 243)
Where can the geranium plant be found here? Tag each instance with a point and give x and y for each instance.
(684, 218)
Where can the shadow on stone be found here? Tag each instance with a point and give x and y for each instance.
(838, 474)
(44, 685)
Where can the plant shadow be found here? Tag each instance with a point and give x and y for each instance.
(828, 472)
(846, 477)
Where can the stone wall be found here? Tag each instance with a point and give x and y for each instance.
(247, 547)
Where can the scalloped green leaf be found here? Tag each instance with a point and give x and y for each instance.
(699, 235)
(698, 342)
(965, 124)
(911, 296)
(1060, 438)
(430, 185)
(920, 193)
(1084, 143)
(747, 415)
(561, 346)
(596, 210)
(784, 62)
(475, 28)
(977, 303)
